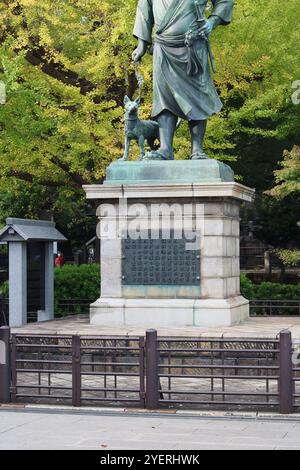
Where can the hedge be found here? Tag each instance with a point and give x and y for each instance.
(76, 283)
(269, 290)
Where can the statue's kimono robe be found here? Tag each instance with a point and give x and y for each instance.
(165, 23)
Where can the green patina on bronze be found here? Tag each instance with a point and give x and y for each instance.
(182, 80)
(177, 171)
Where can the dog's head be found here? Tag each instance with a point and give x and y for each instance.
(131, 107)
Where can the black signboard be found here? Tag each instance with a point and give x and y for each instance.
(160, 262)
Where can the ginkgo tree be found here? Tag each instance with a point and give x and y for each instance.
(66, 66)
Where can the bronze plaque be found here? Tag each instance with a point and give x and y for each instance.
(164, 262)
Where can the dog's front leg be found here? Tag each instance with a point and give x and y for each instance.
(142, 146)
(126, 148)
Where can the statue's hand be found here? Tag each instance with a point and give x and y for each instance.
(140, 51)
(206, 29)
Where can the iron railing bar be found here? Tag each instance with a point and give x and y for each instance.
(210, 392)
(215, 366)
(115, 377)
(142, 371)
(219, 340)
(227, 377)
(41, 336)
(57, 397)
(109, 348)
(42, 346)
(43, 361)
(110, 338)
(118, 364)
(217, 350)
(124, 374)
(214, 402)
(125, 390)
(44, 371)
(14, 377)
(133, 400)
(58, 387)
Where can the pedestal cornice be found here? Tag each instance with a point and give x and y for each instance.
(173, 191)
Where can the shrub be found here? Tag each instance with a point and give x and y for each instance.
(72, 282)
(276, 291)
(4, 289)
(77, 282)
(268, 290)
(248, 288)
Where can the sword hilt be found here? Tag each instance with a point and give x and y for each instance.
(200, 17)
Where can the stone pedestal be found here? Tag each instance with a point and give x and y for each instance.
(203, 294)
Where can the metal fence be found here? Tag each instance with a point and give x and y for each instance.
(252, 257)
(77, 369)
(150, 371)
(218, 372)
(72, 306)
(296, 374)
(268, 308)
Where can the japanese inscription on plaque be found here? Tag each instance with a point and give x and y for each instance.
(159, 262)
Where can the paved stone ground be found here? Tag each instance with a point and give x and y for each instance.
(264, 327)
(74, 431)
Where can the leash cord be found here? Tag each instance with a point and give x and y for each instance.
(139, 78)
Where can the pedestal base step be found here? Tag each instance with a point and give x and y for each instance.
(172, 171)
(157, 313)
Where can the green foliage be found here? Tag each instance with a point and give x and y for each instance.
(66, 65)
(288, 177)
(269, 290)
(284, 207)
(276, 291)
(278, 220)
(289, 258)
(247, 287)
(77, 282)
(4, 289)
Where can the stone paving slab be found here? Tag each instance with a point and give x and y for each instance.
(264, 327)
(46, 430)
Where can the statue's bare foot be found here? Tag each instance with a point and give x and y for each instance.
(199, 156)
(158, 155)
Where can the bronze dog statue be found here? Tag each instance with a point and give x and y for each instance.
(138, 130)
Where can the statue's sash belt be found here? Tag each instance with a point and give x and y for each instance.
(194, 66)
